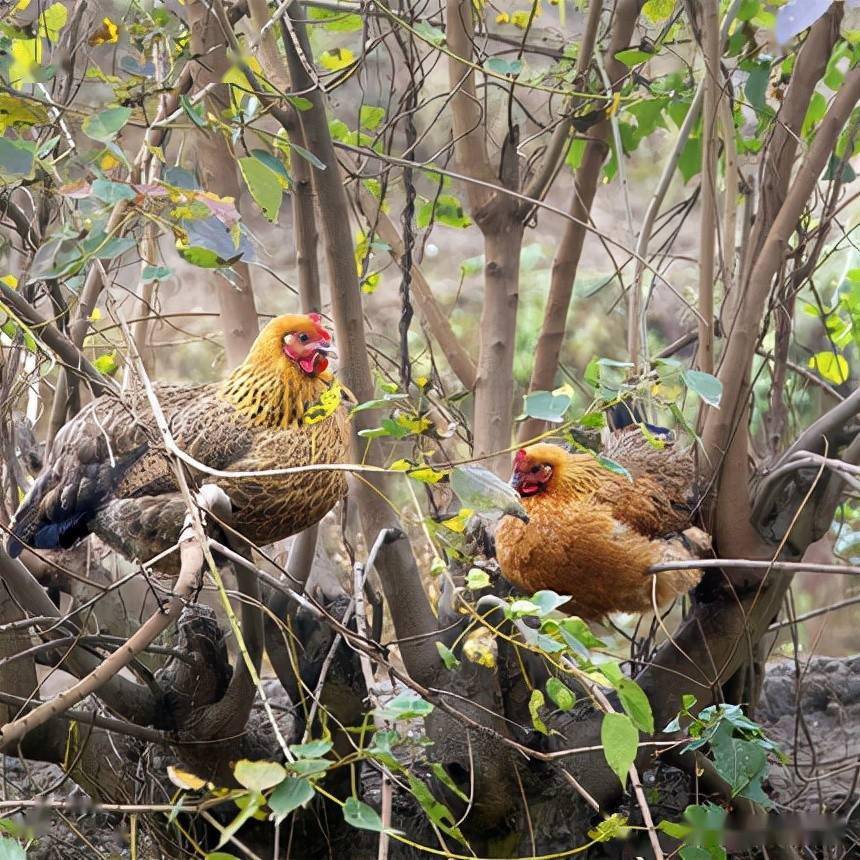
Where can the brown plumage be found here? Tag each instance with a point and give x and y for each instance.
(107, 472)
(592, 534)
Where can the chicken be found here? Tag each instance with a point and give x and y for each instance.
(107, 472)
(592, 534)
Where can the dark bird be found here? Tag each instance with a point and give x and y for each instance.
(108, 473)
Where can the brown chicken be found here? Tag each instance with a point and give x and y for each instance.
(107, 472)
(592, 533)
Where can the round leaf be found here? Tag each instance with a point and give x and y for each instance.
(292, 793)
(258, 775)
(105, 125)
(359, 814)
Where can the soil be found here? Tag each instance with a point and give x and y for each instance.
(816, 724)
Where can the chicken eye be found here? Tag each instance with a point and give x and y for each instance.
(303, 337)
(535, 469)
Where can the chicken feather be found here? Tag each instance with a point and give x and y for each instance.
(592, 534)
(108, 472)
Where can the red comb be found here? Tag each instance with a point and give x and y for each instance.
(322, 331)
(520, 456)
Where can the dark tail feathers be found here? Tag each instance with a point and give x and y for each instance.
(626, 414)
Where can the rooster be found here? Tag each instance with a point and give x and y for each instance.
(593, 533)
(107, 472)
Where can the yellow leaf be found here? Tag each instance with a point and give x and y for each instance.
(108, 161)
(185, 779)
(613, 108)
(96, 315)
(52, 20)
(236, 76)
(16, 111)
(833, 367)
(22, 5)
(26, 55)
(400, 466)
(328, 403)
(106, 34)
(427, 475)
(10, 281)
(503, 18)
(479, 648)
(336, 59)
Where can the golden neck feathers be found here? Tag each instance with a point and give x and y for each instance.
(269, 389)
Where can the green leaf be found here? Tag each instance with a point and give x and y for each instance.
(255, 802)
(445, 209)
(620, 741)
(500, 66)
(258, 775)
(311, 749)
(156, 273)
(690, 160)
(547, 601)
(112, 192)
(756, 85)
(561, 694)
(263, 184)
(708, 387)
(16, 159)
(220, 855)
(741, 763)
(633, 57)
(309, 766)
(674, 829)
(336, 59)
(359, 814)
(11, 850)
(612, 466)
(370, 117)
(548, 405)
(405, 706)
(107, 364)
(483, 491)
(52, 20)
(106, 124)
(536, 702)
(337, 22)
(814, 114)
(449, 659)
(613, 827)
(274, 164)
(477, 579)
(658, 10)
(289, 795)
(300, 102)
(436, 811)
(831, 366)
(442, 775)
(308, 156)
(432, 34)
(193, 112)
(635, 704)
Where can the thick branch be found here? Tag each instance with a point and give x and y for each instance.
(569, 252)
(401, 581)
(218, 173)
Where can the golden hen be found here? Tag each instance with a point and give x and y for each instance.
(107, 472)
(592, 533)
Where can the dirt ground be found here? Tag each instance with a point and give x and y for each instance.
(810, 708)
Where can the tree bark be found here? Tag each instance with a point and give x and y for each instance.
(566, 261)
(218, 173)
